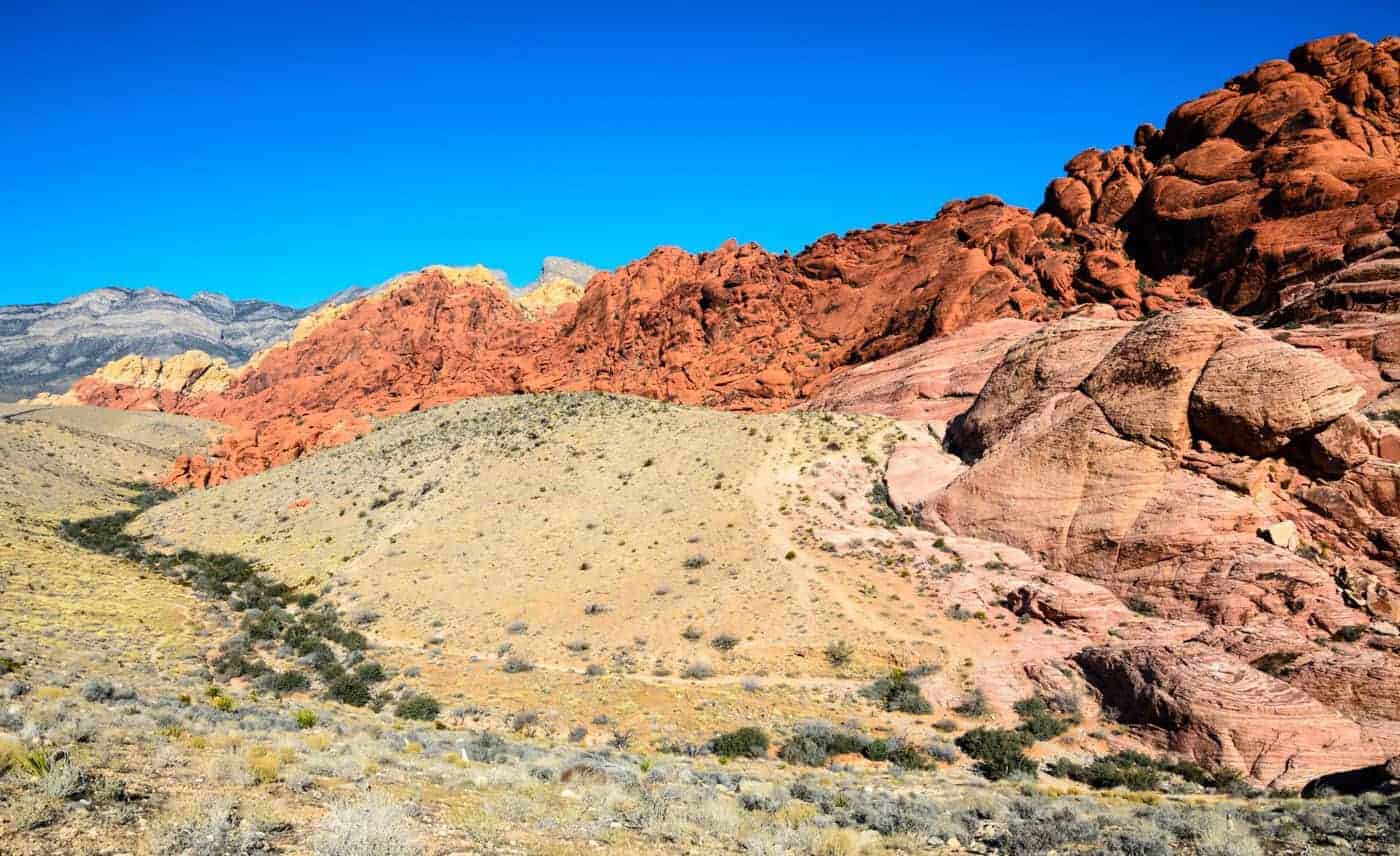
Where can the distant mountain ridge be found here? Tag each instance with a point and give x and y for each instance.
(45, 347)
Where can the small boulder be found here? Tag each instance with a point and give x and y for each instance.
(1282, 534)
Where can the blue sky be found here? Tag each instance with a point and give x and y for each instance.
(285, 153)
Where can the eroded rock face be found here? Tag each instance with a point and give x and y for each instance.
(1290, 170)
(148, 383)
(1200, 470)
(934, 381)
(1131, 454)
(1218, 709)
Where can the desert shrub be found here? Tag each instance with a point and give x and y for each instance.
(1140, 772)
(305, 718)
(348, 689)
(370, 672)
(63, 780)
(814, 744)
(373, 826)
(1037, 720)
(698, 671)
(1000, 753)
(942, 751)
(96, 690)
(290, 681)
(899, 753)
(1130, 770)
(839, 652)
(595, 670)
(898, 692)
(1142, 606)
(1276, 663)
(881, 508)
(517, 665)
(418, 706)
(524, 720)
(1036, 826)
(1350, 633)
(973, 705)
(748, 742)
(724, 642)
(515, 628)
(213, 829)
(692, 633)
(699, 560)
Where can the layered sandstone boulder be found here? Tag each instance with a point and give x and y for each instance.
(1218, 709)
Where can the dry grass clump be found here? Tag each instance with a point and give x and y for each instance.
(372, 826)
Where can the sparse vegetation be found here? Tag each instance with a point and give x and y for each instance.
(748, 742)
(839, 653)
(1000, 753)
(418, 706)
(898, 691)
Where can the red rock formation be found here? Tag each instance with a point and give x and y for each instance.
(1287, 172)
(1247, 195)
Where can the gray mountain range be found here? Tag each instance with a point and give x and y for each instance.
(44, 347)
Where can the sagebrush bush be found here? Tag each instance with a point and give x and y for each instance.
(748, 742)
(348, 689)
(374, 826)
(898, 692)
(418, 706)
(698, 671)
(290, 681)
(1000, 753)
(212, 829)
(1037, 720)
(839, 652)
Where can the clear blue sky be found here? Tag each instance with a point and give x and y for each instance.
(285, 152)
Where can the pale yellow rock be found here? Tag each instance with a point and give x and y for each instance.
(549, 295)
(190, 373)
(1282, 534)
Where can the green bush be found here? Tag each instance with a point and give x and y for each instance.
(305, 718)
(418, 706)
(1140, 772)
(1350, 633)
(839, 652)
(898, 692)
(370, 672)
(1038, 721)
(999, 752)
(747, 742)
(290, 681)
(348, 689)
